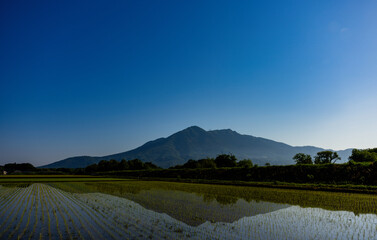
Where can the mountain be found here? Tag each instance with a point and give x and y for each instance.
(195, 143)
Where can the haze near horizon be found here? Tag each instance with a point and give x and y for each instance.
(97, 78)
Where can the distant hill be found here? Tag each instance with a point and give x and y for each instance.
(195, 143)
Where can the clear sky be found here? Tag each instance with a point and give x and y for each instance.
(101, 77)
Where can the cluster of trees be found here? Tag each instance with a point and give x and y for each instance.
(21, 167)
(28, 168)
(221, 161)
(324, 157)
(114, 165)
(365, 155)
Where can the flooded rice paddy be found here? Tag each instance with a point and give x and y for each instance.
(166, 210)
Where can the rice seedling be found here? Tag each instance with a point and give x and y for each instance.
(14, 219)
(30, 210)
(157, 210)
(36, 213)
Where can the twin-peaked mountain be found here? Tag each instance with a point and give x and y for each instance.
(196, 143)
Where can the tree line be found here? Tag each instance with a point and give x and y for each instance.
(222, 160)
(17, 167)
(360, 169)
(348, 173)
(114, 165)
(230, 161)
(328, 157)
(323, 157)
(226, 167)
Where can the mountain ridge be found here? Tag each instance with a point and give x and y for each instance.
(195, 143)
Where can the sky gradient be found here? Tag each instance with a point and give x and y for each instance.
(96, 78)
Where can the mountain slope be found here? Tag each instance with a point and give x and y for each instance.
(196, 143)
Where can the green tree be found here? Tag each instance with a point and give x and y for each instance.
(207, 163)
(27, 167)
(226, 160)
(150, 165)
(326, 157)
(113, 165)
(135, 164)
(364, 155)
(246, 163)
(123, 165)
(103, 166)
(91, 168)
(302, 158)
(191, 164)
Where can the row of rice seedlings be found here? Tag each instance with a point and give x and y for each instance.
(49, 202)
(30, 210)
(45, 215)
(83, 214)
(5, 192)
(62, 204)
(42, 217)
(12, 207)
(16, 215)
(7, 205)
(9, 195)
(58, 206)
(83, 209)
(87, 226)
(37, 205)
(47, 212)
(131, 221)
(93, 216)
(65, 205)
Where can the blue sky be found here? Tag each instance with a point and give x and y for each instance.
(100, 77)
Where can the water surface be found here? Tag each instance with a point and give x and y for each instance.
(165, 210)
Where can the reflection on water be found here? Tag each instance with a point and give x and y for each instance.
(197, 203)
(26, 213)
(191, 207)
(195, 209)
